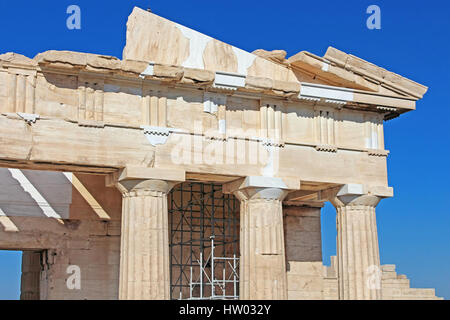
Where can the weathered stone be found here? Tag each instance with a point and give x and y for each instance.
(16, 58)
(133, 66)
(197, 76)
(258, 83)
(166, 72)
(65, 57)
(367, 69)
(274, 55)
(290, 88)
(103, 62)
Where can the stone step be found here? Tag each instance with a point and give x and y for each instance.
(388, 275)
(419, 292)
(396, 283)
(408, 292)
(388, 268)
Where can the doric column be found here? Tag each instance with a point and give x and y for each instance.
(144, 255)
(262, 248)
(358, 255)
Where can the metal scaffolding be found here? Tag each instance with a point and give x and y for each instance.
(204, 242)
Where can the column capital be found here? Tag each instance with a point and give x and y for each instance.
(258, 187)
(359, 195)
(142, 179)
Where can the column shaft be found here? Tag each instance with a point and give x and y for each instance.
(144, 258)
(262, 264)
(358, 253)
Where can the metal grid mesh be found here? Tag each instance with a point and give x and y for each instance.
(201, 217)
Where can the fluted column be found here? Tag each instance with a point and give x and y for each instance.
(144, 256)
(144, 249)
(358, 255)
(262, 248)
(263, 265)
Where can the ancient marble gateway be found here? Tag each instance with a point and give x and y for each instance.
(192, 169)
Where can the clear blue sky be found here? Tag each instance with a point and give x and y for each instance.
(414, 41)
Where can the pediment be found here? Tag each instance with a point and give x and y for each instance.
(155, 39)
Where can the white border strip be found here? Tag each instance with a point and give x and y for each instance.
(312, 90)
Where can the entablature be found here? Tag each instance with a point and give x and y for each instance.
(98, 91)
